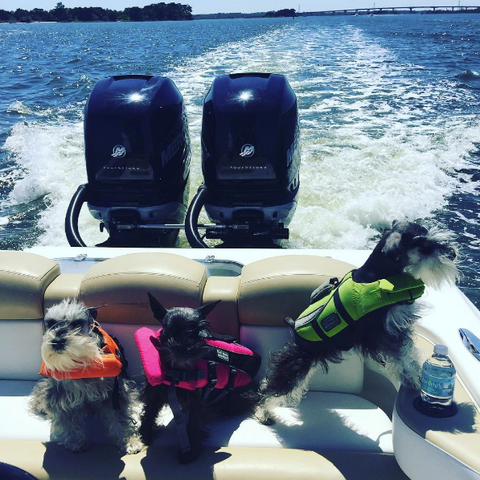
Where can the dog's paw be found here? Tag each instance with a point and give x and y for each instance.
(262, 416)
(134, 445)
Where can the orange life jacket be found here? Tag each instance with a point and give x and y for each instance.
(111, 364)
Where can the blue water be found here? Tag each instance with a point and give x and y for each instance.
(389, 111)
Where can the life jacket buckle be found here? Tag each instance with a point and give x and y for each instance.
(212, 374)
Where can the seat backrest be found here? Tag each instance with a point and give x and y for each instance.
(24, 277)
(253, 308)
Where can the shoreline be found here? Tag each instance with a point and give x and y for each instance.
(372, 12)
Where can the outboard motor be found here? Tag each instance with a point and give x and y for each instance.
(250, 161)
(137, 153)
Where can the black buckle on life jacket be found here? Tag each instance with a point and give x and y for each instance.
(231, 379)
(212, 374)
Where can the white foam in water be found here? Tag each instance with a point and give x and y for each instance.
(51, 163)
(370, 151)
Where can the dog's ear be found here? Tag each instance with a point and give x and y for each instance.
(392, 247)
(155, 342)
(159, 311)
(93, 312)
(400, 237)
(204, 310)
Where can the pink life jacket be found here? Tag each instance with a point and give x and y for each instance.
(225, 365)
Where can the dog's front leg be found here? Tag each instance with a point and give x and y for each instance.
(120, 427)
(195, 411)
(405, 364)
(69, 429)
(154, 398)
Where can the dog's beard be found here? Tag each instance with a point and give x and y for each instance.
(434, 271)
(80, 351)
(439, 268)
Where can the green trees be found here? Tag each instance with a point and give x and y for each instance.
(153, 12)
(60, 13)
(286, 12)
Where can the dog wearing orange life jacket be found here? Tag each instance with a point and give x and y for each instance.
(84, 370)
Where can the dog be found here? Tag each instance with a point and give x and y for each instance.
(184, 346)
(408, 254)
(75, 346)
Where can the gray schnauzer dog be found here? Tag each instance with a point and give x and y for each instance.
(84, 375)
(407, 257)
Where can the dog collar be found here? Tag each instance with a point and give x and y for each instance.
(111, 364)
(343, 303)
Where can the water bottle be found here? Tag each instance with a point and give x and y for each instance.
(438, 379)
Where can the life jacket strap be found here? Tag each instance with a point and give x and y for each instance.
(212, 381)
(180, 417)
(341, 309)
(175, 376)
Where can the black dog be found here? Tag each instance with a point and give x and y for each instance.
(186, 338)
(407, 252)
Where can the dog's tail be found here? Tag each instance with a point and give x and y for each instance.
(290, 322)
(287, 370)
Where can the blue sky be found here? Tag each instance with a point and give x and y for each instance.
(246, 6)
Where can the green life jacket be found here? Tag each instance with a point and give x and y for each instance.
(343, 303)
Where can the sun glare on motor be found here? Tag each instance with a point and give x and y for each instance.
(136, 97)
(245, 96)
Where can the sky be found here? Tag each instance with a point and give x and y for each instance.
(222, 6)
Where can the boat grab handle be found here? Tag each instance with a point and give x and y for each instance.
(471, 342)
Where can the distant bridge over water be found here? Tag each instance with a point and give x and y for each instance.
(395, 10)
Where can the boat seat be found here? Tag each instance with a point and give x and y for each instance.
(64, 286)
(334, 417)
(24, 278)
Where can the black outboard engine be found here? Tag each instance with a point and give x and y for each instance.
(137, 152)
(250, 160)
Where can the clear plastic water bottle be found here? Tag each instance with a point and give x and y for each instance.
(438, 379)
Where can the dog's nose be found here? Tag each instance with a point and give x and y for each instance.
(59, 344)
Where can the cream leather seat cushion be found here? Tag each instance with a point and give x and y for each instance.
(322, 422)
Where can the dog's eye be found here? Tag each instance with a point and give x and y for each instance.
(77, 325)
(49, 323)
(191, 329)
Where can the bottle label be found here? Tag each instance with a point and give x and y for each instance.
(437, 387)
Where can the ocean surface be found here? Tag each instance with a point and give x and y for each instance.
(389, 114)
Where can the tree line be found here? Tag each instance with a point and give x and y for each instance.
(286, 12)
(154, 12)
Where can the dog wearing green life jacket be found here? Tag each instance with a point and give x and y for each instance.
(372, 310)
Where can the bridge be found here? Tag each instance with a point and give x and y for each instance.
(397, 10)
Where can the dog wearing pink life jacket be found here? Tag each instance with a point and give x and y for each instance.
(189, 368)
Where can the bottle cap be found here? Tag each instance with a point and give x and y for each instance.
(440, 349)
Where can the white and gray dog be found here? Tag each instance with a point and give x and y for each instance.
(405, 253)
(74, 346)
